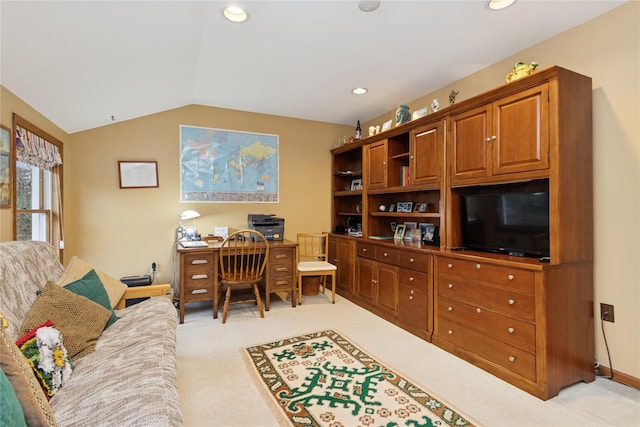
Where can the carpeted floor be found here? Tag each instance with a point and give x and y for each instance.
(216, 388)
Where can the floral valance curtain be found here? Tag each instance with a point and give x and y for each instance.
(35, 150)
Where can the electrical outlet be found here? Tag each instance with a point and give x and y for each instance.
(606, 312)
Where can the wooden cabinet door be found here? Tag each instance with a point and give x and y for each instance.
(469, 149)
(388, 288)
(376, 165)
(341, 255)
(366, 280)
(520, 131)
(426, 153)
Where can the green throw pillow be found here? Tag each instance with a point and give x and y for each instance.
(42, 347)
(90, 286)
(11, 413)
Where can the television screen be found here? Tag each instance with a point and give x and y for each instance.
(511, 220)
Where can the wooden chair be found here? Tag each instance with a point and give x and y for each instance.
(313, 252)
(243, 257)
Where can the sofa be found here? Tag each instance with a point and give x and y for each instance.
(122, 375)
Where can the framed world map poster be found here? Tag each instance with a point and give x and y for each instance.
(220, 165)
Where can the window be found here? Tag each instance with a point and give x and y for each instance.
(33, 199)
(38, 191)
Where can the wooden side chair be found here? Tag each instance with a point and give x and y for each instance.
(242, 259)
(313, 252)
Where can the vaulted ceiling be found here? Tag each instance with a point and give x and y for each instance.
(81, 62)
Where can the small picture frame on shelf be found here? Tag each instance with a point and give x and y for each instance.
(393, 226)
(356, 184)
(401, 206)
(416, 207)
(386, 125)
(399, 232)
(422, 207)
(392, 207)
(410, 225)
(419, 113)
(409, 207)
(428, 231)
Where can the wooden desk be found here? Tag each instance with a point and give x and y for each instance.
(199, 274)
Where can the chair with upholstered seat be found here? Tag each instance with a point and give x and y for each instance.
(313, 252)
(243, 257)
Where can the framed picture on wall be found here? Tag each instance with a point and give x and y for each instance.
(6, 166)
(138, 174)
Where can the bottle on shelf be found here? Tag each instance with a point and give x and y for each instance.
(358, 131)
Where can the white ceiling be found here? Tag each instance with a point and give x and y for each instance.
(81, 62)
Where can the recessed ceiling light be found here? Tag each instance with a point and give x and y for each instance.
(235, 14)
(500, 4)
(368, 5)
(359, 90)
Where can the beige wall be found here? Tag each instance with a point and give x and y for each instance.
(608, 50)
(123, 231)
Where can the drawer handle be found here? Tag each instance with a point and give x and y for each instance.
(199, 276)
(411, 260)
(478, 310)
(449, 265)
(410, 297)
(411, 291)
(450, 308)
(374, 281)
(478, 266)
(281, 282)
(199, 261)
(512, 359)
(411, 279)
(199, 291)
(450, 332)
(279, 269)
(364, 249)
(511, 330)
(386, 254)
(281, 256)
(511, 277)
(450, 285)
(511, 302)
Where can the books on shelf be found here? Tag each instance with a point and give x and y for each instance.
(404, 176)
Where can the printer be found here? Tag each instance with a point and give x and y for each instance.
(271, 226)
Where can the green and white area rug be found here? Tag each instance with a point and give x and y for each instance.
(322, 379)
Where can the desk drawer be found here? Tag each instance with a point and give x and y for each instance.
(387, 255)
(414, 279)
(199, 261)
(281, 256)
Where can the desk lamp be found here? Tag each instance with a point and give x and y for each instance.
(182, 232)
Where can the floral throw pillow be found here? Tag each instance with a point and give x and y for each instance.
(43, 348)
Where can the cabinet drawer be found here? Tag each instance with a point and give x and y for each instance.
(522, 280)
(507, 329)
(285, 270)
(414, 279)
(281, 284)
(366, 250)
(476, 293)
(518, 361)
(198, 260)
(413, 307)
(387, 255)
(420, 262)
(198, 287)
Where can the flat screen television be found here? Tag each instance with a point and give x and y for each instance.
(512, 220)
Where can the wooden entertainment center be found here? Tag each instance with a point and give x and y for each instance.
(526, 320)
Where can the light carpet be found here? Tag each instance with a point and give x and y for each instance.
(323, 379)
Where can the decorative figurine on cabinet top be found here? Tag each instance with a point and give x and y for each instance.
(435, 105)
(521, 70)
(452, 97)
(402, 115)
